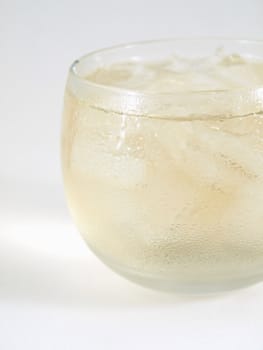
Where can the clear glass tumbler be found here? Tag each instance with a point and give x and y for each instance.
(162, 152)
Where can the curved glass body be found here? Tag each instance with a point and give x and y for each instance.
(162, 152)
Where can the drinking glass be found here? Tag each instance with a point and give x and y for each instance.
(162, 154)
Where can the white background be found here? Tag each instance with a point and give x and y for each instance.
(54, 294)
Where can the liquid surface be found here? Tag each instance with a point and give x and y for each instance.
(172, 200)
(177, 74)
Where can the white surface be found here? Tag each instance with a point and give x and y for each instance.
(54, 294)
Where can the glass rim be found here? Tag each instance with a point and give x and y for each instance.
(133, 98)
(73, 66)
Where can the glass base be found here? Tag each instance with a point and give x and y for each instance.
(186, 287)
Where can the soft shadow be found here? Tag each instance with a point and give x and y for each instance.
(31, 210)
(33, 197)
(72, 282)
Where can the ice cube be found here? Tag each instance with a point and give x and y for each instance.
(231, 151)
(124, 171)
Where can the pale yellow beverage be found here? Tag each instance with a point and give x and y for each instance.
(169, 195)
